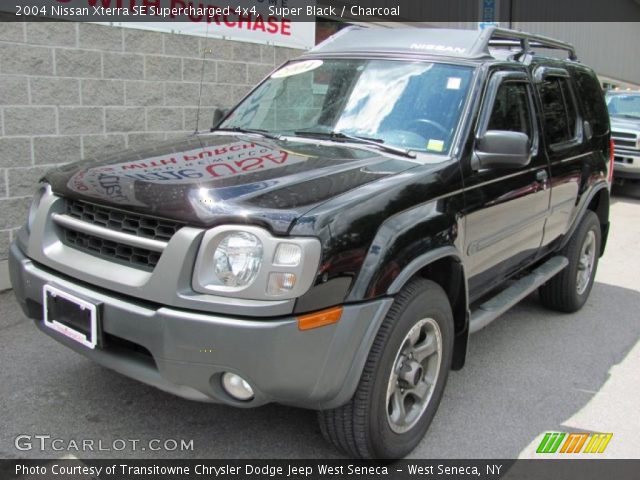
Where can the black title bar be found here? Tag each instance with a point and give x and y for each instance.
(507, 12)
(117, 469)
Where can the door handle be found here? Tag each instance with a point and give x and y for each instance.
(542, 176)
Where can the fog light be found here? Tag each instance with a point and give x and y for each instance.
(237, 387)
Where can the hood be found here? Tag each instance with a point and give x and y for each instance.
(209, 179)
(626, 123)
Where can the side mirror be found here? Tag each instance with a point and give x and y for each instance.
(218, 115)
(502, 149)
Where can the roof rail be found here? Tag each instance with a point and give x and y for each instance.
(502, 37)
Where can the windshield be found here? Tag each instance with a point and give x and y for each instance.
(411, 105)
(625, 104)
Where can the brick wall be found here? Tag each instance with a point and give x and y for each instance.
(70, 91)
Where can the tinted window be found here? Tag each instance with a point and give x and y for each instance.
(592, 101)
(559, 111)
(511, 109)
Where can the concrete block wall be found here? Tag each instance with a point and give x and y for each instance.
(72, 90)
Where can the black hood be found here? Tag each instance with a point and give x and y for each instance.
(204, 180)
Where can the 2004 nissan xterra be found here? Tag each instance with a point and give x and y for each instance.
(334, 240)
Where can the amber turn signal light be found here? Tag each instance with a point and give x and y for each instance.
(319, 319)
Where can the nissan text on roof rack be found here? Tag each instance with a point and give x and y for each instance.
(337, 236)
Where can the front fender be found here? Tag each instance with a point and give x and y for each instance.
(424, 240)
(404, 245)
(371, 234)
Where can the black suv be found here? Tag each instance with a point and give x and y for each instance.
(337, 236)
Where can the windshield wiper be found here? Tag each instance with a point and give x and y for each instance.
(376, 142)
(255, 131)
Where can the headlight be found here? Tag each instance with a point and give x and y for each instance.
(237, 259)
(43, 189)
(248, 262)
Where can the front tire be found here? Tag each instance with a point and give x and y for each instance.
(403, 379)
(569, 290)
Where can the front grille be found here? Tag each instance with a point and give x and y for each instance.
(101, 247)
(120, 221)
(625, 140)
(624, 143)
(624, 135)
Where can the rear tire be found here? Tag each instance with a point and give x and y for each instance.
(569, 290)
(403, 379)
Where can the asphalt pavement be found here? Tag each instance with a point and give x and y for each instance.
(531, 371)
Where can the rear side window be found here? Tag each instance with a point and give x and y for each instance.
(592, 101)
(559, 110)
(511, 109)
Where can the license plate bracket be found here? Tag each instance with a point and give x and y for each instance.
(72, 316)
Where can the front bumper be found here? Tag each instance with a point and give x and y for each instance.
(185, 352)
(627, 165)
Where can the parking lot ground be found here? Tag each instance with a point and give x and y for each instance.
(532, 371)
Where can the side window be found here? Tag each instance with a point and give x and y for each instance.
(511, 109)
(592, 101)
(558, 109)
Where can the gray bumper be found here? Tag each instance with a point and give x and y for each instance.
(627, 165)
(190, 350)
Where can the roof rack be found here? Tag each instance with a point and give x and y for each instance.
(502, 37)
(472, 44)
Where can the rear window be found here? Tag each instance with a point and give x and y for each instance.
(592, 101)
